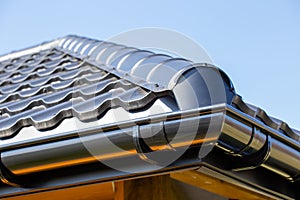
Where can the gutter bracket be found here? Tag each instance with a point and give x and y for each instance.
(146, 137)
(254, 160)
(7, 177)
(141, 148)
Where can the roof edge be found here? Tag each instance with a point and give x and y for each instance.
(33, 49)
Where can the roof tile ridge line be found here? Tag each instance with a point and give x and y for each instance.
(72, 43)
(69, 43)
(266, 118)
(35, 48)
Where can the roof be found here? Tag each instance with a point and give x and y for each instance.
(52, 78)
(110, 87)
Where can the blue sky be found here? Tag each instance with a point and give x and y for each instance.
(257, 43)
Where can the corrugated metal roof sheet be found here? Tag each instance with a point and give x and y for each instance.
(42, 88)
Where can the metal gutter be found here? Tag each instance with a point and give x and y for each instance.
(55, 152)
(251, 145)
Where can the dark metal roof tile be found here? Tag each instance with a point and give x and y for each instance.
(53, 76)
(261, 115)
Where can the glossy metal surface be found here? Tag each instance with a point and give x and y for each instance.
(240, 141)
(74, 151)
(76, 77)
(261, 115)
